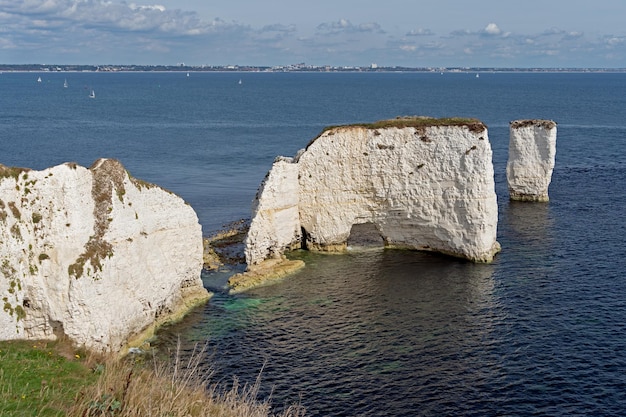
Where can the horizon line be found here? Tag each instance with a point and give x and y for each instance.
(59, 67)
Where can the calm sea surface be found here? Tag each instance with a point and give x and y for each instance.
(541, 331)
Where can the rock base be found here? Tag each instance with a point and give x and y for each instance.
(266, 272)
(515, 196)
(192, 297)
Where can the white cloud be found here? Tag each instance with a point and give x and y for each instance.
(146, 31)
(420, 32)
(279, 28)
(345, 26)
(149, 7)
(370, 27)
(107, 15)
(334, 27)
(461, 33)
(574, 35)
(492, 29)
(276, 33)
(613, 41)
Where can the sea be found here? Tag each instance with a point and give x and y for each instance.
(540, 331)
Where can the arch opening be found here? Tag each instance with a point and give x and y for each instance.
(365, 236)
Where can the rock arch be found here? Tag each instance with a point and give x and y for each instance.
(365, 235)
(426, 184)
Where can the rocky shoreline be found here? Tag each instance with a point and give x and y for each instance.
(225, 248)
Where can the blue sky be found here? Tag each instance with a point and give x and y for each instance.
(415, 33)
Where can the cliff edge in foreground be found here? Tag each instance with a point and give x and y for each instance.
(423, 183)
(93, 255)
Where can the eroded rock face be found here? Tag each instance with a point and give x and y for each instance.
(93, 255)
(425, 184)
(532, 152)
(275, 225)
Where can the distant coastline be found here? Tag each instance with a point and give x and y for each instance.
(284, 68)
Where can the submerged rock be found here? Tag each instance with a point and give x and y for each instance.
(532, 152)
(423, 183)
(94, 255)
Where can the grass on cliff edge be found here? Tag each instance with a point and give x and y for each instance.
(47, 379)
(40, 379)
(419, 122)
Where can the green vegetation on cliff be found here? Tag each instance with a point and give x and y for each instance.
(40, 379)
(419, 123)
(52, 379)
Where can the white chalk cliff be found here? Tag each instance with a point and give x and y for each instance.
(93, 255)
(532, 152)
(425, 184)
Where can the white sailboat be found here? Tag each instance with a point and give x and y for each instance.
(38, 79)
(92, 94)
(65, 85)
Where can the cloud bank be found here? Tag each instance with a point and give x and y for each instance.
(99, 32)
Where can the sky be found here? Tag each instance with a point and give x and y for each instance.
(412, 33)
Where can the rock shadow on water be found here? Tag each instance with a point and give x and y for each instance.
(528, 229)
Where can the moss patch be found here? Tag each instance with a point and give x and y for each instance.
(16, 232)
(11, 172)
(36, 218)
(418, 122)
(474, 125)
(108, 174)
(15, 210)
(546, 124)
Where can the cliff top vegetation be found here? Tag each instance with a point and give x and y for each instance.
(546, 124)
(417, 122)
(422, 121)
(53, 379)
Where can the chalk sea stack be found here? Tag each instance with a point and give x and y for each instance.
(532, 152)
(422, 183)
(94, 255)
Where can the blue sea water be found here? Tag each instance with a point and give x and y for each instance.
(540, 331)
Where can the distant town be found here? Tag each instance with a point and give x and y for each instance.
(280, 68)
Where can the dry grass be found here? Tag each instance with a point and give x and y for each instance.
(474, 125)
(175, 388)
(419, 123)
(14, 172)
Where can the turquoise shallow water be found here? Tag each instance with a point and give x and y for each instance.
(539, 331)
